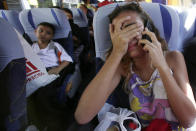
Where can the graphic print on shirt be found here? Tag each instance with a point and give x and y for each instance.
(149, 99)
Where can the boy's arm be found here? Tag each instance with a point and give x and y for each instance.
(59, 68)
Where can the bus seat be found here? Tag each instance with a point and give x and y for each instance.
(165, 19)
(12, 17)
(12, 80)
(79, 17)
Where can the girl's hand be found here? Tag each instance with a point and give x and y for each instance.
(121, 35)
(154, 49)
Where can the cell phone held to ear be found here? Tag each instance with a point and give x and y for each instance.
(149, 26)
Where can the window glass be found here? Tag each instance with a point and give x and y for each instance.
(180, 3)
(73, 3)
(70, 3)
(42, 3)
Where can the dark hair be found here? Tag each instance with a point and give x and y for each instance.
(135, 7)
(85, 1)
(68, 11)
(48, 25)
(84, 6)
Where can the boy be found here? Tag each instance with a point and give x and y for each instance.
(51, 98)
(51, 53)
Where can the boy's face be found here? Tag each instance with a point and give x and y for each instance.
(44, 33)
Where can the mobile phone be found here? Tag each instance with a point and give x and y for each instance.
(149, 26)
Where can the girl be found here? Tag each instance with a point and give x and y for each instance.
(155, 79)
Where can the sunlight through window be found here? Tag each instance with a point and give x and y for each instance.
(190, 19)
(33, 2)
(54, 2)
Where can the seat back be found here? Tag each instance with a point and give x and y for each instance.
(9, 48)
(12, 17)
(31, 18)
(79, 17)
(12, 80)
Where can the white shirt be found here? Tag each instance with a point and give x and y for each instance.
(49, 56)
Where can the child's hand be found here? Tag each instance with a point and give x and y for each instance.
(54, 71)
(58, 69)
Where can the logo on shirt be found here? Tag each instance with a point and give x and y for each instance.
(32, 71)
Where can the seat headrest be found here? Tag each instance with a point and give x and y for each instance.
(12, 17)
(31, 18)
(165, 19)
(79, 17)
(10, 46)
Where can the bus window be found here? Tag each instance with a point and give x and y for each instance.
(70, 3)
(42, 3)
(180, 3)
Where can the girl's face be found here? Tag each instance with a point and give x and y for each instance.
(134, 50)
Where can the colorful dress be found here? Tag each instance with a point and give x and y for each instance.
(149, 100)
